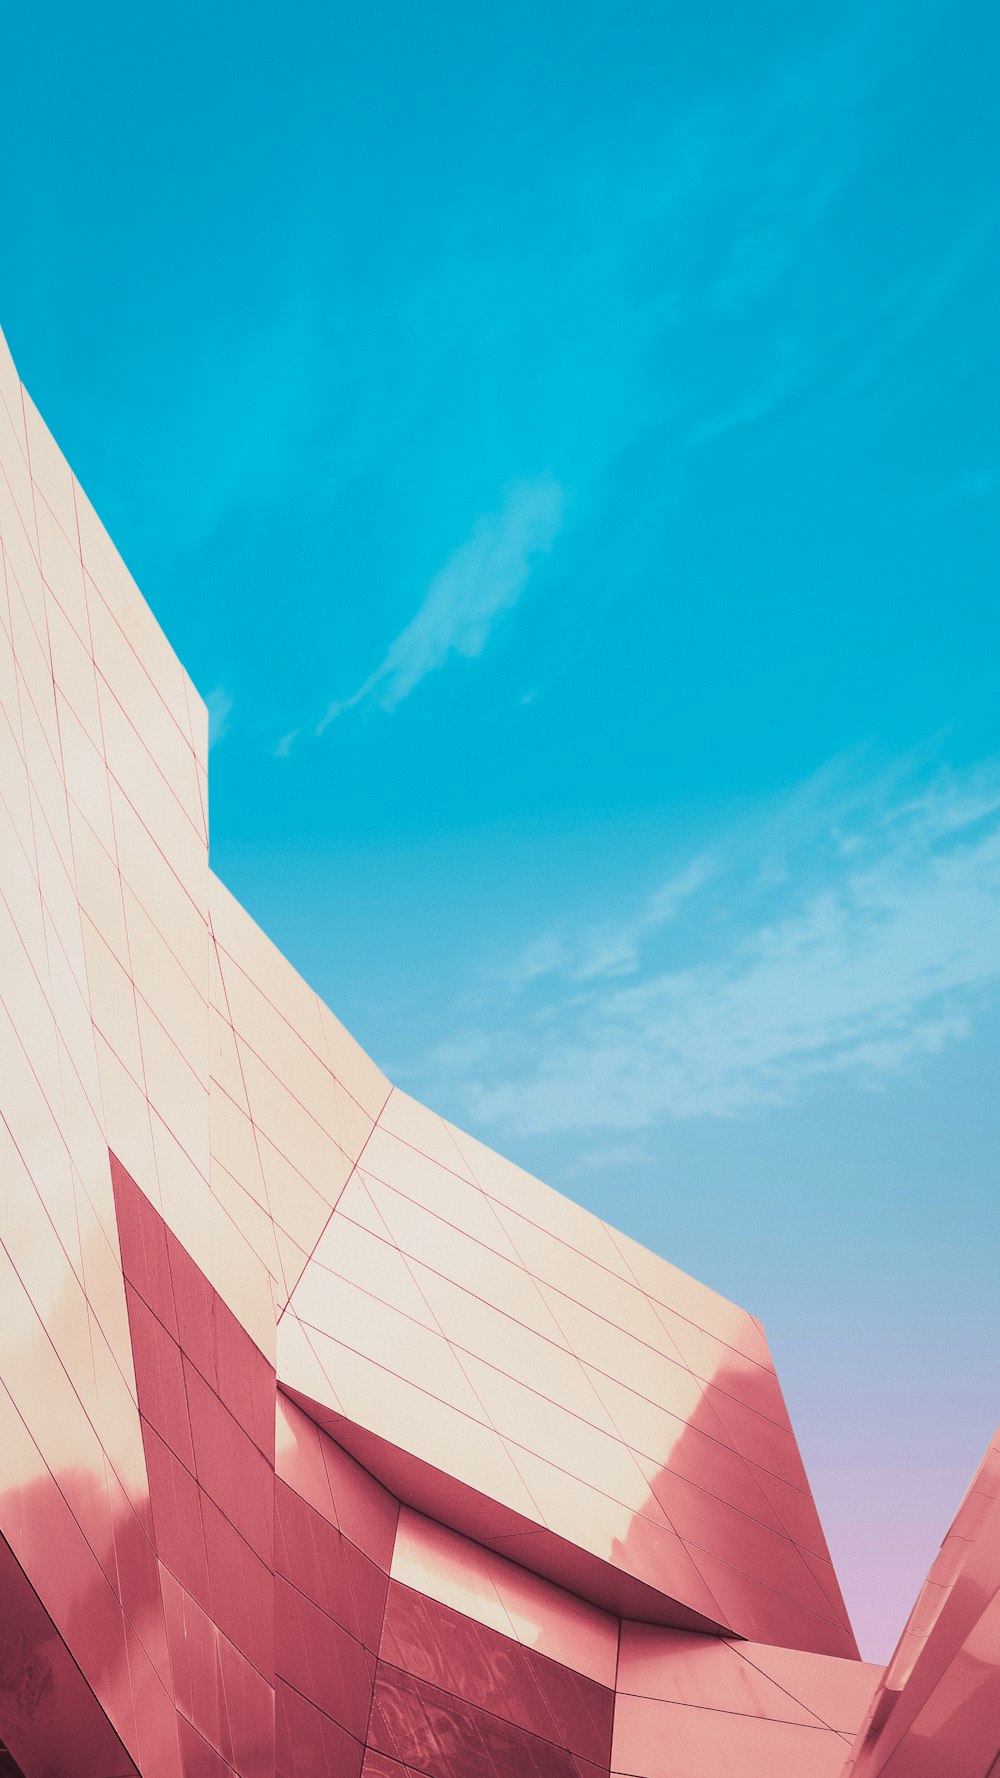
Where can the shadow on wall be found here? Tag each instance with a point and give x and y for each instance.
(744, 1535)
(50, 1717)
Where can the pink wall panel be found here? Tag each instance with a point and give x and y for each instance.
(659, 1740)
(50, 1719)
(430, 1731)
(494, 1591)
(701, 1707)
(334, 1532)
(501, 1676)
(206, 1398)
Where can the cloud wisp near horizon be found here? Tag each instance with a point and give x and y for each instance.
(866, 942)
(482, 580)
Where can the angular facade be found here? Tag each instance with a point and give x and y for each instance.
(330, 1441)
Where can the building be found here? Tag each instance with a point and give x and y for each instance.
(333, 1443)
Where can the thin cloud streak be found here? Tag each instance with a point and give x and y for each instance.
(484, 578)
(857, 967)
(600, 1160)
(219, 704)
(610, 949)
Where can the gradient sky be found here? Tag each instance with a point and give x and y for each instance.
(562, 442)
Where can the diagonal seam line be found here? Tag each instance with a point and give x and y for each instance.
(333, 1208)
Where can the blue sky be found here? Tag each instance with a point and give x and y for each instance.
(562, 443)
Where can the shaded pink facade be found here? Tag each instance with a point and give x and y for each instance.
(330, 1441)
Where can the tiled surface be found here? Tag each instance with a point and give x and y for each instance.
(74, 1499)
(293, 1097)
(430, 1559)
(335, 1528)
(206, 1402)
(50, 1719)
(699, 1707)
(452, 1696)
(503, 1432)
(476, 1321)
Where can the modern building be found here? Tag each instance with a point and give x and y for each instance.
(330, 1441)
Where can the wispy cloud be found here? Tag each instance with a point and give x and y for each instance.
(484, 577)
(614, 1158)
(219, 704)
(873, 945)
(906, 308)
(611, 948)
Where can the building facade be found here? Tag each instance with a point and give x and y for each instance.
(332, 1443)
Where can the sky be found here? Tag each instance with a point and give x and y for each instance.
(562, 443)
